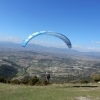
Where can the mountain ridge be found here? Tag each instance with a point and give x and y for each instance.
(46, 49)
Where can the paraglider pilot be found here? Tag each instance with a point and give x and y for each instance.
(47, 76)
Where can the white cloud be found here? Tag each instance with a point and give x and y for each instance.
(90, 48)
(76, 46)
(97, 42)
(11, 39)
(85, 49)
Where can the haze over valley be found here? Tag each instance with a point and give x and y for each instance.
(35, 60)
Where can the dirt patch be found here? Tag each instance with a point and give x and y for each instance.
(86, 86)
(82, 98)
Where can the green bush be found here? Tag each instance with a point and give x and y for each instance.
(2, 80)
(84, 81)
(40, 83)
(25, 80)
(15, 81)
(33, 80)
(8, 80)
(96, 77)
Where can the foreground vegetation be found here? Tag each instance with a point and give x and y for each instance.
(27, 80)
(50, 92)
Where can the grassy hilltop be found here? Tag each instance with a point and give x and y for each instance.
(51, 92)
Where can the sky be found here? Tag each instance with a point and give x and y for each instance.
(79, 20)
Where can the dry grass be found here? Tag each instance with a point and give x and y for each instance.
(51, 92)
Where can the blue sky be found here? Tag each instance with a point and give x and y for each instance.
(79, 20)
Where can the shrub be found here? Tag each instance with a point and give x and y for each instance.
(15, 81)
(33, 80)
(84, 81)
(2, 80)
(40, 83)
(25, 80)
(8, 80)
(96, 77)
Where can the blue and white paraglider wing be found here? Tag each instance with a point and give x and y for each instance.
(61, 36)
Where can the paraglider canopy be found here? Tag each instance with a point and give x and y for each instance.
(61, 36)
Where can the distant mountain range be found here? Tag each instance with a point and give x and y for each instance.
(41, 58)
(40, 48)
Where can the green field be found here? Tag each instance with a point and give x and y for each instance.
(51, 92)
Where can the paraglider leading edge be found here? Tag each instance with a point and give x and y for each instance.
(61, 36)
